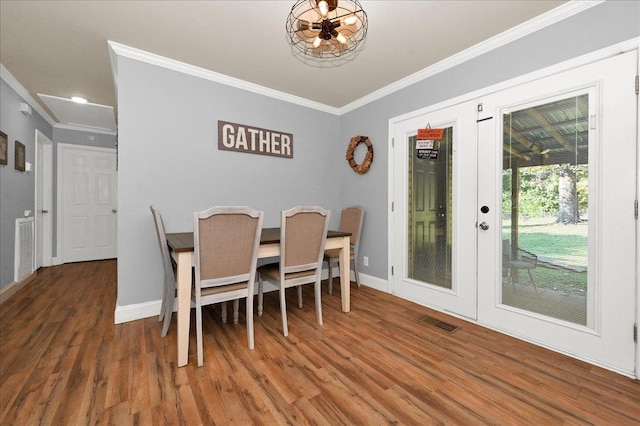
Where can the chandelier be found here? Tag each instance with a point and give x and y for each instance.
(326, 32)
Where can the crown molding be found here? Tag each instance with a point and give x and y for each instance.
(546, 19)
(181, 67)
(24, 94)
(87, 129)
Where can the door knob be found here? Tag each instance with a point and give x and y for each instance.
(114, 211)
(45, 211)
(484, 226)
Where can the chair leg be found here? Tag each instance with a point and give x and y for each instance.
(283, 311)
(330, 263)
(199, 334)
(510, 276)
(318, 294)
(168, 311)
(532, 282)
(223, 310)
(260, 296)
(300, 296)
(236, 307)
(355, 270)
(163, 307)
(166, 295)
(249, 315)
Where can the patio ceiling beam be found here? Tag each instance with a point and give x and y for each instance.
(550, 128)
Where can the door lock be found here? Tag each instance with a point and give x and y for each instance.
(484, 226)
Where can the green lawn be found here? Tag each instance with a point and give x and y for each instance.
(562, 243)
(544, 237)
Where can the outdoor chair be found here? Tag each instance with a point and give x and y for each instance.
(515, 259)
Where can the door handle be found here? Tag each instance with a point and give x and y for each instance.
(114, 211)
(484, 226)
(45, 211)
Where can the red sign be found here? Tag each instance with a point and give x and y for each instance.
(435, 134)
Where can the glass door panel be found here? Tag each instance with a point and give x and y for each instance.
(430, 213)
(545, 198)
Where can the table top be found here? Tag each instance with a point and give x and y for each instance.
(183, 241)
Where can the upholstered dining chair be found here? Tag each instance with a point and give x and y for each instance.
(303, 232)
(351, 219)
(226, 243)
(169, 288)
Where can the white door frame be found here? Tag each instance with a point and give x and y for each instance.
(60, 190)
(44, 200)
(633, 44)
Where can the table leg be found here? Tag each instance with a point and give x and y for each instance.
(184, 306)
(345, 280)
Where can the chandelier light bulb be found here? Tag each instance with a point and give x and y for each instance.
(341, 39)
(303, 25)
(350, 20)
(323, 6)
(316, 42)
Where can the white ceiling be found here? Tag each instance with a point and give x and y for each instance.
(59, 48)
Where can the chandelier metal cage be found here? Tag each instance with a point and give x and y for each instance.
(327, 32)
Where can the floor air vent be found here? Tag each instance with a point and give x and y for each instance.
(449, 328)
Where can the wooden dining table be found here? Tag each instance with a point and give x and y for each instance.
(182, 250)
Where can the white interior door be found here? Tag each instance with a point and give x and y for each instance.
(88, 182)
(560, 271)
(44, 200)
(434, 244)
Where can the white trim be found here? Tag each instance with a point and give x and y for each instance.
(47, 239)
(551, 17)
(15, 287)
(88, 129)
(136, 311)
(60, 147)
(24, 93)
(184, 68)
(637, 324)
(374, 282)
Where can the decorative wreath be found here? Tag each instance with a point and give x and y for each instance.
(368, 158)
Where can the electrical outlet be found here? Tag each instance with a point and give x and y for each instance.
(365, 260)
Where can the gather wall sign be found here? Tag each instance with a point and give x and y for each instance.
(254, 140)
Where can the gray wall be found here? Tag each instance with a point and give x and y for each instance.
(169, 157)
(598, 27)
(17, 189)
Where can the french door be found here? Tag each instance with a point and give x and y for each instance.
(525, 221)
(434, 211)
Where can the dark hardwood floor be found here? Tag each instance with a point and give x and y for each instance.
(64, 362)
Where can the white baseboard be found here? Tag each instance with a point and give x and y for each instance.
(56, 261)
(136, 311)
(373, 282)
(15, 286)
(126, 313)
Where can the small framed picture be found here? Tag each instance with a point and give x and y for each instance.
(20, 156)
(4, 148)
